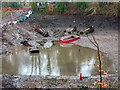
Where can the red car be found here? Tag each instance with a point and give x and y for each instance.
(67, 39)
(38, 30)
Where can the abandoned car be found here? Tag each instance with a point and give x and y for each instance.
(70, 38)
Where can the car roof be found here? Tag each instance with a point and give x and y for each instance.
(67, 37)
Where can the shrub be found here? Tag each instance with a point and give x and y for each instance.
(34, 6)
(61, 6)
(83, 5)
(118, 10)
(15, 5)
(46, 6)
(102, 4)
(90, 12)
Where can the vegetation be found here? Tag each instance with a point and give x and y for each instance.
(5, 4)
(83, 8)
(61, 6)
(45, 9)
(14, 5)
(11, 4)
(46, 6)
(102, 4)
(83, 5)
(100, 84)
(3, 14)
(118, 10)
(34, 6)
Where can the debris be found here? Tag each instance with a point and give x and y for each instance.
(33, 43)
(42, 42)
(70, 30)
(34, 50)
(82, 86)
(88, 30)
(25, 43)
(41, 31)
(3, 49)
(14, 22)
(21, 19)
(48, 44)
(30, 12)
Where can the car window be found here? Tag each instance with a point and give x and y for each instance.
(72, 36)
(68, 38)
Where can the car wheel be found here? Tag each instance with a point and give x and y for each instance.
(67, 42)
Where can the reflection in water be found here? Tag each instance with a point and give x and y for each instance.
(87, 67)
(44, 62)
(55, 61)
(55, 70)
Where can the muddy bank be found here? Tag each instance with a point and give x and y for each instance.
(10, 81)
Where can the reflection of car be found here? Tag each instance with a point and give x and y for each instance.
(66, 44)
(67, 39)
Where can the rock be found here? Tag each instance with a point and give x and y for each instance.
(3, 50)
(17, 42)
(48, 44)
(42, 42)
(25, 43)
(82, 86)
(33, 43)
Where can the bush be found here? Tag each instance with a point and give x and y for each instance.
(118, 10)
(34, 6)
(5, 4)
(83, 5)
(46, 6)
(90, 12)
(15, 5)
(102, 4)
(61, 6)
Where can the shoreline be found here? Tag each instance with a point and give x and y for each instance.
(36, 81)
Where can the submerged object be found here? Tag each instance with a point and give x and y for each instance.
(48, 44)
(34, 50)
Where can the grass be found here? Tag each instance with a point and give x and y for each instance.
(4, 14)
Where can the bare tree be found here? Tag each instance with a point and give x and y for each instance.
(94, 42)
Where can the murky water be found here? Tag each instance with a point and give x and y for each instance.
(58, 60)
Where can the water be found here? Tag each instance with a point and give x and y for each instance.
(65, 60)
